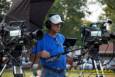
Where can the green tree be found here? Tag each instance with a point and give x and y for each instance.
(4, 7)
(110, 11)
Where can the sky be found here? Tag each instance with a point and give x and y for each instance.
(8, 0)
(95, 8)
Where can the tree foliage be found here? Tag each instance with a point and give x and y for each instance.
(4, 7)
(110, 11)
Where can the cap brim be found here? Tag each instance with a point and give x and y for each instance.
(57, 22)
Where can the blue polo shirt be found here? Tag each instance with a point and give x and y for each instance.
(53, 45)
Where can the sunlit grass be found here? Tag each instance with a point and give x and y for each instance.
(28, 73)
(9, 73)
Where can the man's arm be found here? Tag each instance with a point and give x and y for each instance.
(35, 57)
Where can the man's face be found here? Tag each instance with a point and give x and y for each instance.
(55, 27)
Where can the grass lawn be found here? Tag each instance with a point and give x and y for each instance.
(73, 74)
(28, 73)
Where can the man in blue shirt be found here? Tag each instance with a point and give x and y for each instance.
(51, 44)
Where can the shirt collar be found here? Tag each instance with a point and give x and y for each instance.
(52, 36)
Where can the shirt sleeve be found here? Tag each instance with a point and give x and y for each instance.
(62, 38)
(37, 47)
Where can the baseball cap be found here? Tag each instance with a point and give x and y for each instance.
(55, 19)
